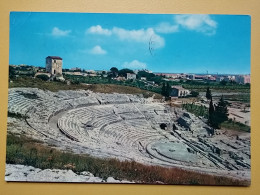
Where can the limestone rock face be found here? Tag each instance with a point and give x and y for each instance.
(29, 173)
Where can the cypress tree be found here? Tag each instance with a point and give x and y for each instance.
(211, 119)
(221, 111)
(217, 113)
(168, 90)
(163, 90)
(208, 94)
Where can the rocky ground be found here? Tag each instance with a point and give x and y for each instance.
(32, 174)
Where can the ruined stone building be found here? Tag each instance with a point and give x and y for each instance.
(54, 65)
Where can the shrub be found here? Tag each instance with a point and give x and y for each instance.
(196, 109)
(43, 77)
(194, 94)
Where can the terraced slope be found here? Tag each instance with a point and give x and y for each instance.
(127, 127)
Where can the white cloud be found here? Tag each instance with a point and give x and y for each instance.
(98, 30)
(135, 64)
(97, 50)
(60, 33)
(165, 27)
(140, 35)
(198, 22)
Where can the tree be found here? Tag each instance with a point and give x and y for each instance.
(43, 77)
(124, 71)
(11, 72)
(211, 119)
(208, 94)
(218, 113)
(223, 82)
(221, 111)
(114, 72)
(168, 89)
(156, 79)
(145, 74)
(194, 94)
(164, 90)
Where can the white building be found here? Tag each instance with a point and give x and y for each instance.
(130, 76)
(179, 91)
(220, 78)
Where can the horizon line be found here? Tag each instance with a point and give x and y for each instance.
(156, 72)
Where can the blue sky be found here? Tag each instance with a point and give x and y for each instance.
(158, 42)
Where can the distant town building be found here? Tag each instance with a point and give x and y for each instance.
(242, 79)
(54, 65)
(120, 78)
(201, 77)
(75, 73)
(92, 74)
(226, 79)
(178, 91)
(191, 76)
(130, 76)
(168, 75)
(143, 78)
(91, 71)
(231, 78)
(101, 71)
(75, 69)
(211, 78)
(136, 71)
(220, 78)
(146, 70)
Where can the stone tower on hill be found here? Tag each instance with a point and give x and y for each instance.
(54, 65)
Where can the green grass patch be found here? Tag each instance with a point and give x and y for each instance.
(233, 125)
(102, 88)
(196, 109)
(243, 97)
(26, 151)
(102, 80)
(216, 87)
